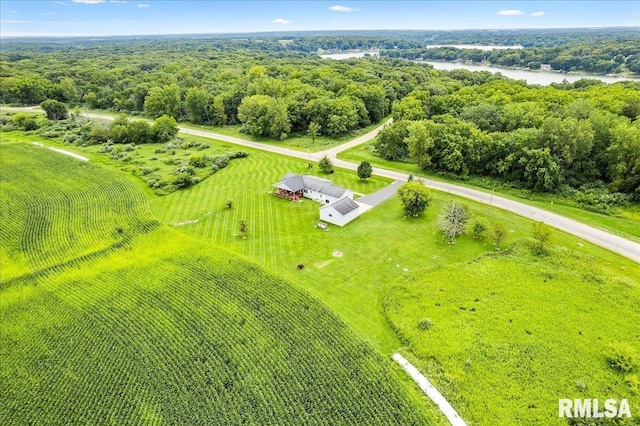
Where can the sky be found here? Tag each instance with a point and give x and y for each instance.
(144, 17)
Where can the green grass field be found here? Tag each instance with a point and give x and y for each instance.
(166, 329)
(514, 333)
(624, 222)
(357, 270)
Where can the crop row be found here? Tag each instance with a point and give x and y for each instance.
(51, 219)
(191, 340)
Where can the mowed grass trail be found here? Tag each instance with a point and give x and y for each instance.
(512, 334)
(166, 329)
(49, 216)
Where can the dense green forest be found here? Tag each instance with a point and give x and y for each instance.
(564, 137)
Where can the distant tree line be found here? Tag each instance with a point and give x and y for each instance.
(611, 56)
(582, 135)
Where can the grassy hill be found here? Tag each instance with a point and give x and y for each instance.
(163, 328)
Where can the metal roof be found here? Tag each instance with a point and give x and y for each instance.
(343, 206)
(294, 182)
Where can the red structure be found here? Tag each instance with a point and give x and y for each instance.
(289, 195)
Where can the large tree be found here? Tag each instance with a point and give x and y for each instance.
(55, 110)
(262, 115)
(415, 197)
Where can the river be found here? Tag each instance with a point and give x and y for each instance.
(543, 78)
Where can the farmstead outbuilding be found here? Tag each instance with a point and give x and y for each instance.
(341, 212)
(339, 208)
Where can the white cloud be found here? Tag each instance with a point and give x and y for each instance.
(338, 8)
(13, 21)
(88, 1)
(511, 12)
(143, 5)
(281, 21)
(538, 13)
(118, 1)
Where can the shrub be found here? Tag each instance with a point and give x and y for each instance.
(30, 124)
(325, 164)
(425, 324)
(478, 229)
(542, 234)
(221, 161)
(20, 118)
(186, 170)
(623, 357)
(183, 180)
(197, 160)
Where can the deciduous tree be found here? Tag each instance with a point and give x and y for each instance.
(55, 110)
(453, 220)
(415, 197)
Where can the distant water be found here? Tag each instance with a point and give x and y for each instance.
(472, 46)
(543, 78)
(348, 55)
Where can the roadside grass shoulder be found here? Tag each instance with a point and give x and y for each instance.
(297, 141)
(624, 222)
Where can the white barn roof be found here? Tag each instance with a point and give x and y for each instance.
(342, 206)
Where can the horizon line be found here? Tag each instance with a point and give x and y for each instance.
(310, 31)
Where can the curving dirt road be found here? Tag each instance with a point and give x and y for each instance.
(599, 237)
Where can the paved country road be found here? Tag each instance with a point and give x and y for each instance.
(597, 236)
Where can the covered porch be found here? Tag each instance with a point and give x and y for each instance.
(289, 195)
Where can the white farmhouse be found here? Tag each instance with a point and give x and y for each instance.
(293, 187)
(339, 207)
(341, 212)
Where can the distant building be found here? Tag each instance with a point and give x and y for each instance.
(545, 67)
(339, 208)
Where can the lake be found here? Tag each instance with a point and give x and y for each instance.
(472, 46)
(543, 78)
(348, 55)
